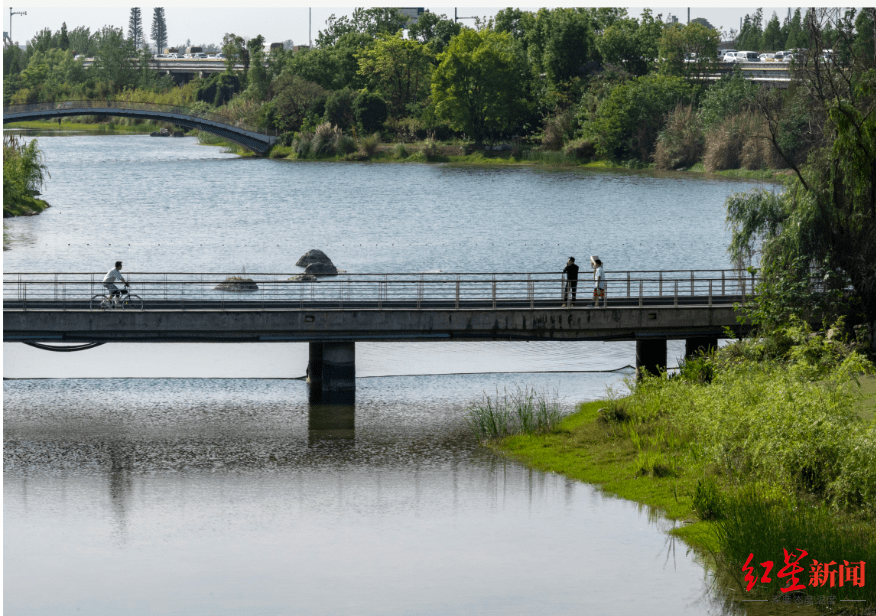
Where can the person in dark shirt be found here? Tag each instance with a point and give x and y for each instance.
(571, 273)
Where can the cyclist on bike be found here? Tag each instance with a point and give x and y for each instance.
(112, 276)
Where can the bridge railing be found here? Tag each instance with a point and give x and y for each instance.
(421, 290)
(134, 106)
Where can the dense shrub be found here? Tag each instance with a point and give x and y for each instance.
(582, 149)
(370, 111)
(741, 141)
(295, 99)
(558, 129)
(219, 89)
(24, 173)
(369, 144)
(681, 143)
(339, 109)
(628, 121)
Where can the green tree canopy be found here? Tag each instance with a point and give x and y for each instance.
(112, 61)
(434, 30)
(476, 84)
(681, 44)
(627, 122)
(772, 36)
(135, 28)
(399, 69)
(373, 21)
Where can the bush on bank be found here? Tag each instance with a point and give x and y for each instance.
(24, 173)
(767, 442)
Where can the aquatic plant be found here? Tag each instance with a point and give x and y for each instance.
(525, 410)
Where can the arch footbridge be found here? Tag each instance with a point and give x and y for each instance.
(251, 137)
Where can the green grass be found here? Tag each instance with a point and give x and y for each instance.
(585, 448)
(752, 174)
(27, 207)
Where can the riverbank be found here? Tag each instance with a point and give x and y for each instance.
(750, 457)
(468, 155)
(101, 128)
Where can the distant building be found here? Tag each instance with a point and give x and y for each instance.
(276, 46)
(671, 19)
(297, 48)
(413, 14)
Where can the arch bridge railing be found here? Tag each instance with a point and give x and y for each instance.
(511, 290)
(103, 105)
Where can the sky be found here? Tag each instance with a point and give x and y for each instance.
(208, 22)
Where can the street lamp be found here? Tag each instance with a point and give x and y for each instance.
(10, 19)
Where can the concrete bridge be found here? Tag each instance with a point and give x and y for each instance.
(251, 137)
(332, 313)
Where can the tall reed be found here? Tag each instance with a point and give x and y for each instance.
(525, 410)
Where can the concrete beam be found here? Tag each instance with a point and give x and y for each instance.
(284, 325)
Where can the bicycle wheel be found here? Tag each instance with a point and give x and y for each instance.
(98, 302)
(132, 302)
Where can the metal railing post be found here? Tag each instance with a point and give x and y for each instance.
(723, 280)
(494, 291)
(457, 293)
(531, 288)
(661, 284)
(710, 293)
(641, 286)
(691, 283)
(676, 294)
(743, 291)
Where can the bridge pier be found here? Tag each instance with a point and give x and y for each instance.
(704, 344)
(331, 372)
(650, 356)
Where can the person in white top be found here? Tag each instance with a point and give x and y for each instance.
(112, 276)
(598, 280)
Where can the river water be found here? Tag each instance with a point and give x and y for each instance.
(196, 479)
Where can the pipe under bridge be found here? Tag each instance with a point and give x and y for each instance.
(251, 137)
(332, 313)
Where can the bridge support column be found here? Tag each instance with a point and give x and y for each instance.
(692, 346)
(650, 356)
(331, 372)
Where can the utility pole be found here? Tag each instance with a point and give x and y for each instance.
(10, 19)
(456, 17)
(688, 15)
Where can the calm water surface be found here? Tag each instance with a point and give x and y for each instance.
(184, 493)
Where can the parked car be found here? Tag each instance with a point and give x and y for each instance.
(747, 56)
(218, 56)
(767, 57)
(730, 56)
(174, 56)
(199, 56)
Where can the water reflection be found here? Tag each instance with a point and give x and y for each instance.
(331, 423)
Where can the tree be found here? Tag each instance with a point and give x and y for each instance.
(796, 36)
(374, 21)
(865, 37)
(772, 36)
(159, 29)
(702, 21)
(751, 34)
(475, 85)
(82, 42)
(234, 50)
(258, 76)
(295, 99)
(63, 37)
(112, 60)
(622, 44)
(679, 44)
(399, 69)
(435, 31)
(135, 28)
(824, 223)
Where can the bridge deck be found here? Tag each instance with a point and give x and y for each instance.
(508, 306)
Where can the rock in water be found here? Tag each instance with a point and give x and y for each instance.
(237, 284)
(313, 256)
(304, 278)
(321, 269)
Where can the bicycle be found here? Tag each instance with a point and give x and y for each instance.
(114, 301)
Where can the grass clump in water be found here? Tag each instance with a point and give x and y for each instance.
(525, 410)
